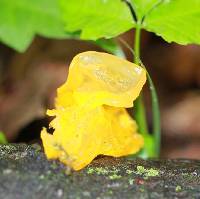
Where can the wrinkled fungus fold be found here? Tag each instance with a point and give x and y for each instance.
(90, 110)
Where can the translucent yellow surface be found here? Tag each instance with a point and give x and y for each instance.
(91, 118)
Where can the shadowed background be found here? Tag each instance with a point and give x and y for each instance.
(29, 81)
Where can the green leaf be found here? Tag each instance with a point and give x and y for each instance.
(143, 7)
(176, 21)
(20, 20)
(173, 20)
(96, 18)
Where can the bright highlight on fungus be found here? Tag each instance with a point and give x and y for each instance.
(90, 115)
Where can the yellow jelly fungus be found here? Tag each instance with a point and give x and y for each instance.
(90, 115)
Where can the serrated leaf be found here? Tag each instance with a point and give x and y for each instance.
(143, 7)
(96, 18)
(176, 21)
(20, 20)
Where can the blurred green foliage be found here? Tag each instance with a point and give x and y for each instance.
(2, 138)
(20, 20)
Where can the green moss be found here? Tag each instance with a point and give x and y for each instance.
(54, 165)
(114, 170)
(36, 147)
(114, 177)
(129, 171)
(90, 170)
(68, 170)
(131, 181)
(7, 171)
(141, 170)
(142, 190)
(147, 172)
(189, 176)
(41, 177)
(98, 170)
(102, 171)
(152, 172)
(178, 188)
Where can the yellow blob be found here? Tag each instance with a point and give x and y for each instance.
(90, 118)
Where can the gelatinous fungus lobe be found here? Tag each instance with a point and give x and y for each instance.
(90, 115)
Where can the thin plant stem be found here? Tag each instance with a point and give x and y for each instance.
(156, 116)
(140, 114)
(155, 151)
(152, 143)
(139, 108)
